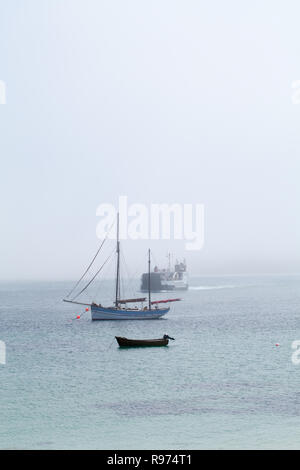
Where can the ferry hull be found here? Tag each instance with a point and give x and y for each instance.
(104, 313)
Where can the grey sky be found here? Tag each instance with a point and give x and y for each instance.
(162, 101)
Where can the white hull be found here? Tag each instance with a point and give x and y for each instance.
(177, 285)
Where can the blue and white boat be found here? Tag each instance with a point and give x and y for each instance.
(111, 313)
(120, 309)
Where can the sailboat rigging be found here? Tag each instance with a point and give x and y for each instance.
(120, 311)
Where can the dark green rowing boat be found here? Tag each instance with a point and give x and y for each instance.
(133, 343)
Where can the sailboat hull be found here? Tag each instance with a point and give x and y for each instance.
(105, 313)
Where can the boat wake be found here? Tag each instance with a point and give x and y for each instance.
(212, 287)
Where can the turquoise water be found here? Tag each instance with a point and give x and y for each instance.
(222, 384)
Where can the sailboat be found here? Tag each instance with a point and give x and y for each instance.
(120, 309)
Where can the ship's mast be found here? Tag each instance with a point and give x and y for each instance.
(118, 264)
(149, 283)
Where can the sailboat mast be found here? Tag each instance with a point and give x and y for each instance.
(149, 283)
(118, 264)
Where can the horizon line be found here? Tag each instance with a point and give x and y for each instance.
(138, 278)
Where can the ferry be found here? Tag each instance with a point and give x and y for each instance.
(168, 279)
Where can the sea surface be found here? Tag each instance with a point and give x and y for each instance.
(226, 382)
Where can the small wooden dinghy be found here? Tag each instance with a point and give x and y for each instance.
(129, 343)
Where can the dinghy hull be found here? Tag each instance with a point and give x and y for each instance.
(134, 343)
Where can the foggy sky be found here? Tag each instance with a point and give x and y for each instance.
(162, 101)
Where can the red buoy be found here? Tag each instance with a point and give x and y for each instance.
(87, 309)
(78, 316)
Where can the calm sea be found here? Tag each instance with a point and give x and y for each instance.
(222, 384)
